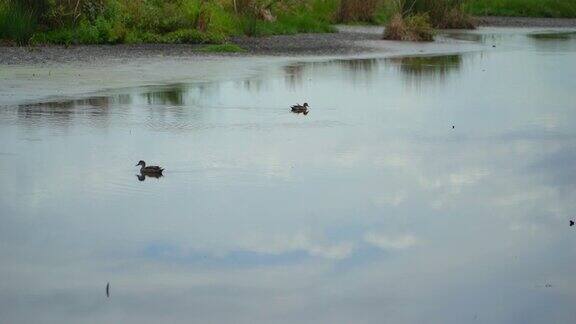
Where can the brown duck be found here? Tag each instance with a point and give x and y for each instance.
(149, 170)
(300, 109)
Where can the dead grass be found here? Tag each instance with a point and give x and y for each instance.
(415, 28)
(357, 10)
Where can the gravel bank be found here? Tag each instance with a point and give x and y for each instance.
(350, 40)
(342, 43)
(527, 22)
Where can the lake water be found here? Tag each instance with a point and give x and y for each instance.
(417, 190)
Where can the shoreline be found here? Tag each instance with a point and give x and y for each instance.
(52, 73)
(349, 40)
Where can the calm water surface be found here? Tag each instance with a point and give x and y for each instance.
(371, 209)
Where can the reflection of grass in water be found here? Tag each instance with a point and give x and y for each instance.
(63, 112)
(429, 65)
(354, 70)
(553, 36)
(363, 65)
(170, 96)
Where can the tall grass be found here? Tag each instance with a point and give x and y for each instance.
(213, 21)
(442, 13)
(523, 8)
(164, 21)
(414, 20)
(312, 16)
(357, 10)
(16, 24)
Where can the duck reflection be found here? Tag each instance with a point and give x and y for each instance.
(142, 176)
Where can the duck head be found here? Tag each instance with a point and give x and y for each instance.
(142, 163)
(306, 105)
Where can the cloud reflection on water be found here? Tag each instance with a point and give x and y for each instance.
(371, 207)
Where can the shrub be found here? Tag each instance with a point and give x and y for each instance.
(441, 13)
(419, 29)
(414, 28)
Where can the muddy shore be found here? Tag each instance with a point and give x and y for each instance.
(348, 41)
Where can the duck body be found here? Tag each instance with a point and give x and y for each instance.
(300, 109)
(149, 170)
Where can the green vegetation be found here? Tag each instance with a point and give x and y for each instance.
(414, 28)
(523, 8)
(222, 48)
(16, 24)
(415, 20)
(214, 21)
(158, 21)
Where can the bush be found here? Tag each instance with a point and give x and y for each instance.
(414, 28)
(441, 13)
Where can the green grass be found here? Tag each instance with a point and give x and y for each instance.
(222, 48)
(214, 21)
(523, 8)
(155, 21)
(16, 24)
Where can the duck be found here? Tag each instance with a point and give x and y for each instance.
(149, 170)
(300, 109)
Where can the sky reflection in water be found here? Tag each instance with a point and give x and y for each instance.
(370, 209)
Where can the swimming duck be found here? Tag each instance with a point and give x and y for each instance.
(300, 109)
(149, 170)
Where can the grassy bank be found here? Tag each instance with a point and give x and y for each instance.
(158, 21)
(523, 8)
(214, 21)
